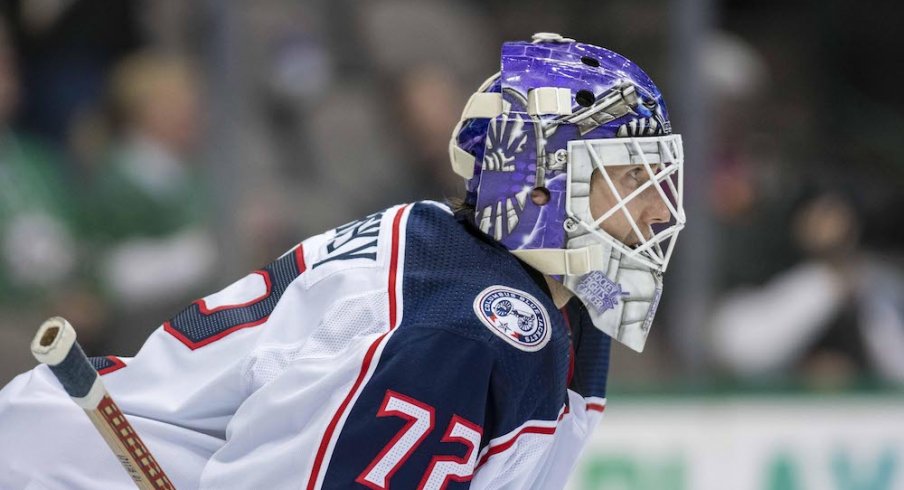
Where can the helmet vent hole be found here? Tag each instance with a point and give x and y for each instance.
(539, 196)
(584, 98)
(587, 60)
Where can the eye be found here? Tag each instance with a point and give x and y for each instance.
(638, 174)
(635, 177)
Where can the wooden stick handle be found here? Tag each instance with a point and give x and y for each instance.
(56, 346)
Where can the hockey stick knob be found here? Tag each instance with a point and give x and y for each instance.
(55, 345)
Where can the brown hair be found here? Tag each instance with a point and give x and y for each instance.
(462, 210)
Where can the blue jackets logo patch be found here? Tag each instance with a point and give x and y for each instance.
(514, 315)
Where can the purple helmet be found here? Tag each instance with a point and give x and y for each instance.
(557, 111)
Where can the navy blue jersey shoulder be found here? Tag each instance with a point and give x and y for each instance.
(447, 265)
(443, 365)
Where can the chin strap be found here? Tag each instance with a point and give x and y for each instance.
(574, 261)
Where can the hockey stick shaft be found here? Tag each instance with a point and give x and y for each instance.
(56, 346)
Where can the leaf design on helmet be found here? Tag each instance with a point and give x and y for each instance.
(644, 126)
(506, 139)
(500, 219)
(653, 124)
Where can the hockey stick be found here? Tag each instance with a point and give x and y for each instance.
(55, 345)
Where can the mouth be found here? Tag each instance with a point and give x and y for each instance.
(632, 241)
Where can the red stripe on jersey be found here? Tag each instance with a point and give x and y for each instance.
(213, 338)
(299, 259)
(565, 412)
(511, 442)
(117, 365)
(596, 407)
(393, 266)
(328, 435)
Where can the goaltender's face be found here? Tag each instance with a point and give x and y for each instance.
(647, 208)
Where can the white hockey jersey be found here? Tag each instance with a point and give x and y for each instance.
(403, 349)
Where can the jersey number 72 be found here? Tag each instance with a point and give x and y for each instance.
(421, 421)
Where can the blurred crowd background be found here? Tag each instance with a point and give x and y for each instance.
(153, 151)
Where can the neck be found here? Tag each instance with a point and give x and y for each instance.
(560, 294)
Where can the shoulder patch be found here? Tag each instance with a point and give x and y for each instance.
(514, 315)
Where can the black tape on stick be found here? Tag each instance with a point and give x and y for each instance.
(75, 372)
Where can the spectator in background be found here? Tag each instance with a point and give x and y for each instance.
(145, 210)
(428, 98)
(833, 318)
(66, 49)
(37, 253)
(426, 80)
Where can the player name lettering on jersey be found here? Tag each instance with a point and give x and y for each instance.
(355, 240)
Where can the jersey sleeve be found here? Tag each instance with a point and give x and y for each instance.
(179, 392)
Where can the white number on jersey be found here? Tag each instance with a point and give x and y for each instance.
(421, 420)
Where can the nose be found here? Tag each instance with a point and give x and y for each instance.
(655, 209)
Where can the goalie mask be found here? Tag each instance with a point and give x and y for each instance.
(558, 116)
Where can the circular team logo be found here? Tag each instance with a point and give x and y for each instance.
(515, 316)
